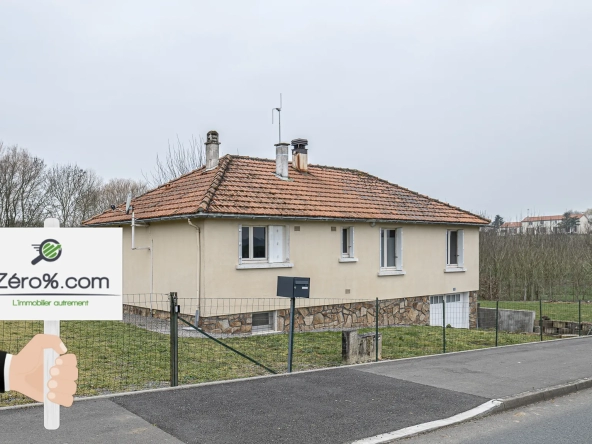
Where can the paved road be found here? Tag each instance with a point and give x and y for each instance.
(331, 406)
(561, 420)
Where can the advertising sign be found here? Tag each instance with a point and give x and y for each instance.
(61, 273)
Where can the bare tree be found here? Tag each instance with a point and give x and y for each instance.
(74, 193)
(115, 191)
(22, 186)
(180, 159)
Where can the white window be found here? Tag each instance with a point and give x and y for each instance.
(263, 322)
(455, 247)
(254, 243)
(347, 245)
(391, 251)
(263, 246)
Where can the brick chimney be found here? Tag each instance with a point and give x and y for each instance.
(212, 150)
(300, 155)
(281, 160)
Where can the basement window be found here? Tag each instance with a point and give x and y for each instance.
(263, 246)
(263, 322)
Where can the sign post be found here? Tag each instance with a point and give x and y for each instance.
(74, 274)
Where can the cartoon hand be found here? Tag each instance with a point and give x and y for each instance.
(26, 371)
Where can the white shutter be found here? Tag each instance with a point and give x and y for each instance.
(276, 243)
(287, 243)
(240, 244)
(399, 249)
(351, 242)
(461, 248)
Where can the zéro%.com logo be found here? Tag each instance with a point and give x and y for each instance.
(49, 250)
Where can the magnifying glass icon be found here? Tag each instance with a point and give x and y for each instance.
(50, 250)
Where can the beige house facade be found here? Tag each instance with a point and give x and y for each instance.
(355, 236)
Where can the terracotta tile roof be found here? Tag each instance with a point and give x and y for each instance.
(511, 225)
(248, 186)
(544, 218)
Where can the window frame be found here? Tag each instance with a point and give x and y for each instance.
(397, 269)
(460, 251)
(267, 261)
(350, 255)
(251, 246)
(270, 327)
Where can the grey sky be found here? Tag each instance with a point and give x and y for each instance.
(483, 104)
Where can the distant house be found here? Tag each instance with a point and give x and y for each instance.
(221, 235)
(553, 224)
(511, 228)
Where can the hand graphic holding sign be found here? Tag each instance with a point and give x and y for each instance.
(26, 376)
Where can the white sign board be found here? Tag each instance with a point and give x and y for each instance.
(61, 273)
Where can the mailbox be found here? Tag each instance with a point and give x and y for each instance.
(293, 287)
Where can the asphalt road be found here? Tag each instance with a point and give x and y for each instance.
(335, 406)
(561, 420)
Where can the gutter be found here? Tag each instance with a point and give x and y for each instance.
(289, 218)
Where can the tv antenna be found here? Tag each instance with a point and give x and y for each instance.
(279, 111)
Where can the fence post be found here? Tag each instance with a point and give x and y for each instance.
(541, 317)
(496, 320)
(174, 327)
(579, 317)
(443, 324)
(376, 336)
(291, 338)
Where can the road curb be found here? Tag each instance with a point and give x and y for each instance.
(486, 409)
(525, 398)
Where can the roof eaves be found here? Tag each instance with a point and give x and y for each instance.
(293, 218)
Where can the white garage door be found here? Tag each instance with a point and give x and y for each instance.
(457, 310)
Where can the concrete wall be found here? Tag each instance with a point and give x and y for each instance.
(175, 250)
(513, 321)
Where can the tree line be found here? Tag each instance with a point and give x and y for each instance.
(31, 190)
(535, 266)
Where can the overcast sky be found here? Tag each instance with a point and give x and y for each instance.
(482, 104)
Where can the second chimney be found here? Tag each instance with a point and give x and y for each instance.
(281, 160)
(300, 155)
(212, 150)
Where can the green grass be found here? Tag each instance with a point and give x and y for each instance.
(557, 311)
(116, 357)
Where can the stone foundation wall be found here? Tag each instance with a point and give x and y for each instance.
(404, 311)
(473, 306)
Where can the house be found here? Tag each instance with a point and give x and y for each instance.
(553, 224)
(511, 228)
(221, 235)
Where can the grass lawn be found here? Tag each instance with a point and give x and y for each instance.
(116, 357)
(557, 311)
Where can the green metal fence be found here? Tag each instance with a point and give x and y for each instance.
(158, 344)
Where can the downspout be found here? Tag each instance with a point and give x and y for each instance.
(151, 255)
(198, 311)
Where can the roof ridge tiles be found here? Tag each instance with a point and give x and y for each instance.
(216, 181)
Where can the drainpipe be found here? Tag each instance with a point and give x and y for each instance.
(198, 311)
(144, 248)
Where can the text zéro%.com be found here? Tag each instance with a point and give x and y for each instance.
(47, 281)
